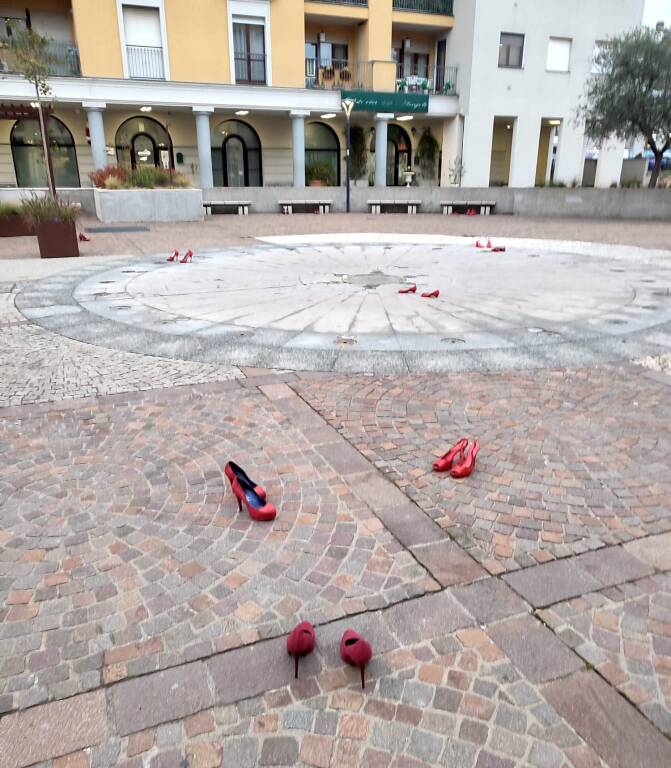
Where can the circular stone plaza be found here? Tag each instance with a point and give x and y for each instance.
(520, 616)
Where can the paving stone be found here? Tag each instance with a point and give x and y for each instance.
(239, 752)
(448, 563)
(279, 750)
(345, 459)
(613, 728)
(550, 583)
(58, 728)
(489, 600)
(534, 650)
(425, 746)
(425, 618)
(613, 565)
(654, 550)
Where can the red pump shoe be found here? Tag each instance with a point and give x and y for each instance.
(258, 508)
(433, 295)
(233, 470)
(446, 461)
(410, 289)
(187, 257)
(467, 464)
(356, 651)
(301, 641)
(174, 257)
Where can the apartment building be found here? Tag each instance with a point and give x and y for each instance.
(249, 92)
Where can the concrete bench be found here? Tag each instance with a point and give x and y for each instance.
(313, 206)
(485, 207)
(241, 205)
(379, 206)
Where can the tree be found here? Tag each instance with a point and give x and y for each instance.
(630, 93)
(34, 60)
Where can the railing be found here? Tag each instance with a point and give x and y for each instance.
(250, 68)
(338, 73)
(445, 83)
(363, 3)
(145, 62)
(443, 7)
(63, 59)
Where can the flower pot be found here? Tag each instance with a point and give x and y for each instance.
(15, 226)
(57, 239)
(317, 183)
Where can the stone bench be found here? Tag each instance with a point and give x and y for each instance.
(379, 206)
(241, 205)
(313, 206)
(485, 207)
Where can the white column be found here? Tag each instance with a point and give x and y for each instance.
(298, 145)
(570, 153)
(204, 140)
(94, 115)
(452, 141)
(381, 119)
(609, 164)
(477, 152)
(524, 155)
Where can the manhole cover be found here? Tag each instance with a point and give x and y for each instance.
(345, 341)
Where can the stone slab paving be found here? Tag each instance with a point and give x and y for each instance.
(569, 462)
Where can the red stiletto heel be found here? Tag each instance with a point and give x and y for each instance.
(84, 238)
(466, 466)
(489, 243)
(301, 641)
(356, 651)
(233, 470)
(258, 508)
(174, 257)
(410, 289)
(478, 244)
(187, 257)
(499, 249)
(447, 459)
(432, 295)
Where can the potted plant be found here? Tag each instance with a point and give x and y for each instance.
(54, 222)
(408, 175)
(402, 85)
(320, 175)
(13, 223)
(425, 86)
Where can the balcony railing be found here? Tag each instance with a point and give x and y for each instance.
(338, 73)
(363, 3)
(63, 59)
(443, 7)
(250, 68)
(445, 82)
(145, 62)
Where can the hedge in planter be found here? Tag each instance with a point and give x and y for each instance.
(55, 224)
(13, 223)
(320, 175)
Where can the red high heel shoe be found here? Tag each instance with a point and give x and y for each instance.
(499, 249)
(433, 295)
(258, 507)
(84, 238)
(466, 466)
(301, 641)
(410, 289)
(447, 459)
(187, 257)
(478, 244)
(356, 651)
(174, 257)
(233, 470)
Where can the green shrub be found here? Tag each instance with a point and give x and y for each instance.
(40, 209)
(10, 209)
(321, 172)
(149, 177)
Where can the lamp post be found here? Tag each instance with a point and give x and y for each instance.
(347, 105)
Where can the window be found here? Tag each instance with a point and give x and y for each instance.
(559, 54)
(236, 155)
(26, 141)
(143, 141)
(249, 48)
(322, 153)
(511, 50)
(144, 45)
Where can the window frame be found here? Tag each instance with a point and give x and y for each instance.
(508, 48)
(551, 39)
(248, 24)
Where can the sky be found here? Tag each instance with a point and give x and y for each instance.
(657, 10)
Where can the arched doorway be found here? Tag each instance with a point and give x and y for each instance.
(399, 154)
(236, 155)
(143, 141)
(28, 155)
(322, 153)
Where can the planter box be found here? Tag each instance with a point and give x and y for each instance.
(57, 239)
(146, 205)
(15, 226)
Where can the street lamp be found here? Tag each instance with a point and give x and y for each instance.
(347, 105)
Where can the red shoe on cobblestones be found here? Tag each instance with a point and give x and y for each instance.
(410, 289)
(187, 257)
(258, 508)
(174, 257)
(433, 295)
(466, 466)
(233, 470)
(301, 641)
(446, 460)
(356, 651)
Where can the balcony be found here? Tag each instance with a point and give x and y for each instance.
(445, 83)
(337, 73)
(63, 59)
(145, 62)
(250, 68)
(443, 7)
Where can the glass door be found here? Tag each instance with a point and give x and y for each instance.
(234, 158)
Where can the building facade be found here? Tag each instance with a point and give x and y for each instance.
(248, 92)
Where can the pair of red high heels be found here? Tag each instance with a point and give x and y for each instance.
(188, 256)
(489, 247)
(413, 289)
(248, 492)
(354, 649)
(459, 460)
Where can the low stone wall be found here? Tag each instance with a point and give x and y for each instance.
(138, 205)
(73, 195)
